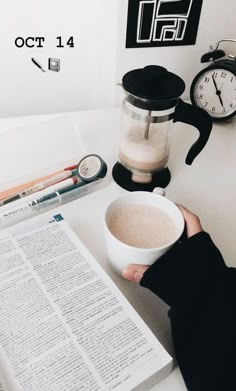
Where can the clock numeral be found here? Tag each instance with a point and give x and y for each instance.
(223, 75)
(206, 80)
(205, 104)
(232, 78)
(200, 87)
(215, 75)
(200, 96)
(213, 109)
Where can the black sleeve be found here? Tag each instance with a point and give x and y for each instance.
(194, 281)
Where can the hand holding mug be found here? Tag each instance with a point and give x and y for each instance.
(134, 272)
(139, 228)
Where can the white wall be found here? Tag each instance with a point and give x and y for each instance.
(87, 73)
(90, 70)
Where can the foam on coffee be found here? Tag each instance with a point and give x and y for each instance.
(142, 226)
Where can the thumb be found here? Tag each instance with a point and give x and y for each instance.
(134, 272)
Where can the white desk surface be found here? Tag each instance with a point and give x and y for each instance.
(208, 188)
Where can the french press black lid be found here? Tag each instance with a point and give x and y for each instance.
(155, 86)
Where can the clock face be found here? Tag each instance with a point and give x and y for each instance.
(214, 90)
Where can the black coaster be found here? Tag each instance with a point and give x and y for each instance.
(122, 177)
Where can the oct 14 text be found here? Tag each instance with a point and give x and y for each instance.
(39, 42)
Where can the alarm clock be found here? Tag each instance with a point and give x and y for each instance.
(214, 88)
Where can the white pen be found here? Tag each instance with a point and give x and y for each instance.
(45, 184)
(59, 186)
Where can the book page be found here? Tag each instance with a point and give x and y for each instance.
(64, 323)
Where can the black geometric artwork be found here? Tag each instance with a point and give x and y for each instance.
(162, 22)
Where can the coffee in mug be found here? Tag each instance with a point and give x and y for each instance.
(140, 227)
(143, 226)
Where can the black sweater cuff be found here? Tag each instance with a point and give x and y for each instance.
(180, 273)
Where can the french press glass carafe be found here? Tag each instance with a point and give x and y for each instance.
(151, 106)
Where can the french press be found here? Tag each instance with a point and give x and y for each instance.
(151, 106)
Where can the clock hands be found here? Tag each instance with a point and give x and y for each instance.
(221, 102)
(218, 92)
(222, 85)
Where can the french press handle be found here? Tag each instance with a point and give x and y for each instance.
(198, 118)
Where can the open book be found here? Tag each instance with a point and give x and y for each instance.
(64, 325)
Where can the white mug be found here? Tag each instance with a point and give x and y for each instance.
(121, 254)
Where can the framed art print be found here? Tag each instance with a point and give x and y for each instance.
(153, 23)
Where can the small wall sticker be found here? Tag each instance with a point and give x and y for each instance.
(162, 22)
(37, 63)
(54, 64)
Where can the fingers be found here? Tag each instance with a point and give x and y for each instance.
(193, 224)
(134, 272)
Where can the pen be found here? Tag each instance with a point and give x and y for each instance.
(37, 187)
(60, 185)
(37, 63)
(71, 168)
(44, 184)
